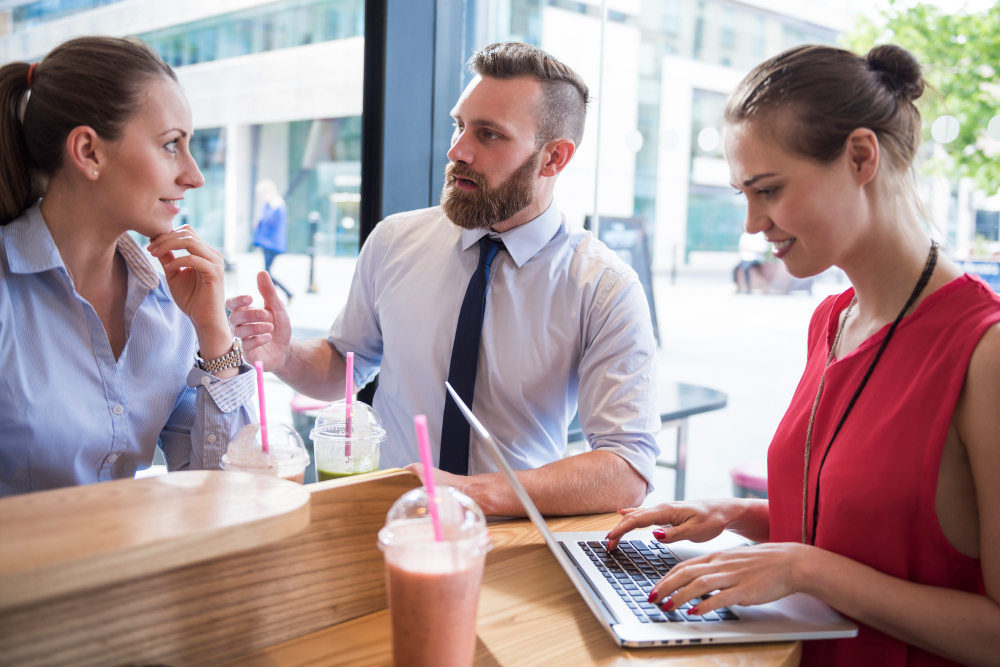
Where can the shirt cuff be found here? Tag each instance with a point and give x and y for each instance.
(639, 453)
(228, 394)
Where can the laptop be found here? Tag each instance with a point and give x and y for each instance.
(616, 585)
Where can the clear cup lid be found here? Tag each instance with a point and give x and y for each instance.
(332, 422)
(461, 521)
(285, 447)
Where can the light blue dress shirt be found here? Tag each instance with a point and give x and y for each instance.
(566, 324)
(69, 413)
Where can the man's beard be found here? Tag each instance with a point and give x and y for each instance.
(485, 207)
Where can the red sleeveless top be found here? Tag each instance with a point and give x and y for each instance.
(880, 478)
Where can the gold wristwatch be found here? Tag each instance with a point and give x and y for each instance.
(232, 359)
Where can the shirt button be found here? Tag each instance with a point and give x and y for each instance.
(211, 437)
(205, 381)
(112, 458)
(118, 409)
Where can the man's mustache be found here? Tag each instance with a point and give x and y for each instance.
(456, 170)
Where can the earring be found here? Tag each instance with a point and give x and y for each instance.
(95, 172)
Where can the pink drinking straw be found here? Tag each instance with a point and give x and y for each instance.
(259, 367)
(349, 399)
(424, 444)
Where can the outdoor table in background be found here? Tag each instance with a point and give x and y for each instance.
(678, 401)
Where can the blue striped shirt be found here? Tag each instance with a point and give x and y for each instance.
(69, 412)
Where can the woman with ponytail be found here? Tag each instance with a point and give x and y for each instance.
(98, 347)
(883, 492)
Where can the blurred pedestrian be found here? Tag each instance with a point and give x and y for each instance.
(271, 233)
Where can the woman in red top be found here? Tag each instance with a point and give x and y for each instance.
(884, 474)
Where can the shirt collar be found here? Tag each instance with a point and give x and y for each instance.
(29, 246)
(137, 261)
(524, 241)
(30, 249)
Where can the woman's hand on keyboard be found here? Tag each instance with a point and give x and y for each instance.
(743, 576)
(698, 521)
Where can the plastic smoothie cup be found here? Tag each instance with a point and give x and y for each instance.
(433, 586)
(346, 440)
(286, 459)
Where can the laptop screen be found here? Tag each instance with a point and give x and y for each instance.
(529, 506)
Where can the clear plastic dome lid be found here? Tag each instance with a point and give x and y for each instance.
(461, 521)
(364, 423)
(285, 446)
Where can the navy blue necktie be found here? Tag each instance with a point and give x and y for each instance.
(464, 361)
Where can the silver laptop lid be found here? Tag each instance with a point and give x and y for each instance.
(529, 506)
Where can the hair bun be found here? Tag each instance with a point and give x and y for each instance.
(898, 70)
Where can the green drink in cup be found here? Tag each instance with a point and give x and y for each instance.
(345, 447)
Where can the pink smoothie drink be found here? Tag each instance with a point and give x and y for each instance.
(432, 606)
(433, 585)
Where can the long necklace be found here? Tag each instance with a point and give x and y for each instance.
(917, 290)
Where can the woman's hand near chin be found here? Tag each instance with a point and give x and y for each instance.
(197, 286)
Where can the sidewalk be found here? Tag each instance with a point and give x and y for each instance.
(750, 346)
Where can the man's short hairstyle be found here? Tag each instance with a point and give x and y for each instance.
(563, 109)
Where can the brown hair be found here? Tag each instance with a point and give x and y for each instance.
(830, 93)
(93, 81)
(563, 110)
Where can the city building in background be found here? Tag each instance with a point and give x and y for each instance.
(275, 91)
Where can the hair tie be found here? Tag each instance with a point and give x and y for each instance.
(31, 73)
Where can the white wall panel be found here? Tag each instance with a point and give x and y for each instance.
(321, 80)
(575, 39)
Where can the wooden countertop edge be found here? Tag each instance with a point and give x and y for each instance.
(365, 648)
(30, 585)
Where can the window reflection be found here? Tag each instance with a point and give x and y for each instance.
(270, 27)
(33, 13)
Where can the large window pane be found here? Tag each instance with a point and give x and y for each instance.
(650, 151)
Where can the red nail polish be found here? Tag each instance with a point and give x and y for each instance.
(692, 611)
(668, 604)
(653, 595)
(659, 534)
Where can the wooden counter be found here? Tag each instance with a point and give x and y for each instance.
(529, 614)
(210, 568)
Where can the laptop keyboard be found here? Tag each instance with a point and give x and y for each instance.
(633, 568)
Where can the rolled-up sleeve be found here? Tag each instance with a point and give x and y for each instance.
(209, 413)
(618, 396)
(357, 328)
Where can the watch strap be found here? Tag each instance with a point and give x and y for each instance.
(232, 359)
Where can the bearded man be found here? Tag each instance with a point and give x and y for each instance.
(527, 318)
